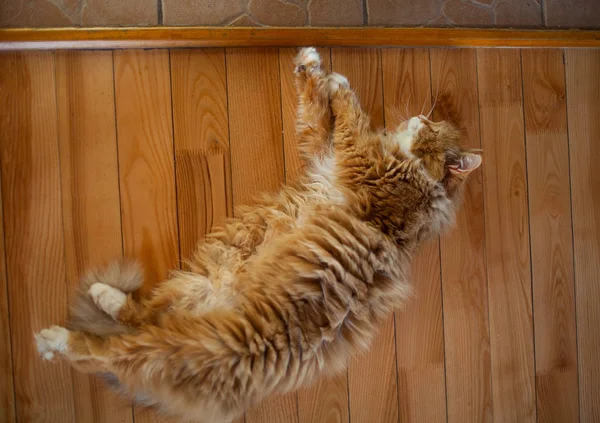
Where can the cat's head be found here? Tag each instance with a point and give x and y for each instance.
(438, 146)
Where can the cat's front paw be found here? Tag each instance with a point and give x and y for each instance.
(307, 60)
(52, 340)
(108, 299)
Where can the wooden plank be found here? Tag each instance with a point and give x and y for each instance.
(35, 261)
(170, 37)
(583, 92)
(372, 378)
(255, 122)
(419, 330)
(362, 67)
(90, 195)
(507, 235)
(146, 166)
(257, 161)
(7, 389)
(275, 409)
(464, 282)
(201, 137)
(551, 236)
(327, 399)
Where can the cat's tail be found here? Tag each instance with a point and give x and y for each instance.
(127, 276)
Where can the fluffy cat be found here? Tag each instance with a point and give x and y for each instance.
(291, 288)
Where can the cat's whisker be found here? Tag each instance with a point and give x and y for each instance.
(437, 84)
(424, 102)
(432, 107)
(397, 115)
(426, 97)
(437, 93)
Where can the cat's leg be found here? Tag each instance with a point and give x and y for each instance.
(350, 119)
(203, 288)
(75, 346)
(127, 310)
(180, 363)
(313, 125)
(107, 298)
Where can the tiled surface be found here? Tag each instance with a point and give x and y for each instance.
(572, 13)
(204, 12)
(439, 13)
(52, 13)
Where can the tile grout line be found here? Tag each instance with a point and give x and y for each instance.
(159, 12)
(544, 13)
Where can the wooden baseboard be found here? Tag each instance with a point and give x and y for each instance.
(170, 37)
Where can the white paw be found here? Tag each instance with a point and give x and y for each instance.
(108, 299)
(307, 60)
(49, 341)
(336, 81)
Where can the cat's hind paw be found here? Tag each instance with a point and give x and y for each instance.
(108, 299)
(337, 81)
(307, 60)
(52, 340)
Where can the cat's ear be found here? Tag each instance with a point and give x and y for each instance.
(468, 162)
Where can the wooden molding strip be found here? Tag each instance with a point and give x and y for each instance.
(167, 37)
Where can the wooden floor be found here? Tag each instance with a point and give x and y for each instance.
(140, 152)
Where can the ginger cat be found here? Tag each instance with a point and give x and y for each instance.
(294, 286)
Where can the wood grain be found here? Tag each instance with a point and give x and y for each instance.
(146, 166)
(171, 37)
(419, 330)
(464, 282)
(7, 389)
(201, 137)
(90, 195)
(255, 122)
(372, 377)
(362, 67)
(583, 92)
(35, 262)
(327, 399)
(257, 160)
(507, 235)
(551, 235)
